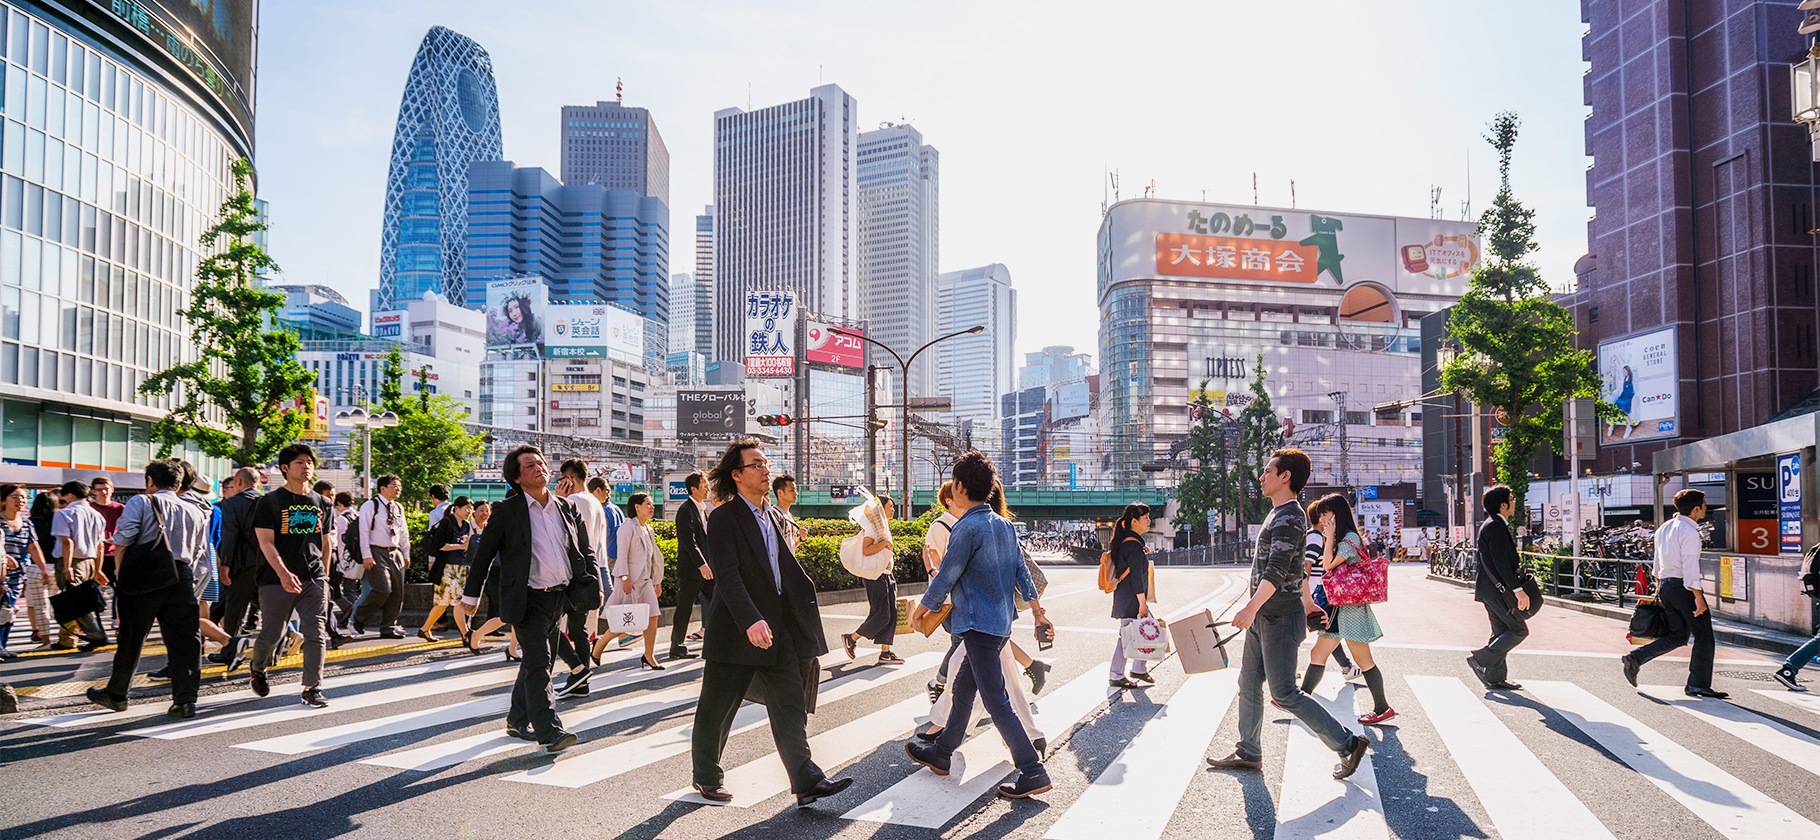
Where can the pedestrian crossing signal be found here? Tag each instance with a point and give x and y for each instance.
(773, 419)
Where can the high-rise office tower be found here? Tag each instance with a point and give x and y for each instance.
(682, 312)
(449, 119)
(898, 182)
(783, 203)
(704, 283)
(616, 147)
(975, 371)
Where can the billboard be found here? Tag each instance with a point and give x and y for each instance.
(1150, 238)
(389, 324)
(592, 331)
(710, 415)
(1639, 375)
(516, 309)
(1072, 400)
(770, 334)
(824, 347)
(216, 41)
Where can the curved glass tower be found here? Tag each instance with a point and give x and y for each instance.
(449, 118)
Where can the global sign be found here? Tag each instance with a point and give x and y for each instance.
(710, 415)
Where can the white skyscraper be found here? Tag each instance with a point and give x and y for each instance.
(897, 228)
(976, 370)
(704, 285)
(783, 203)
(682, 312)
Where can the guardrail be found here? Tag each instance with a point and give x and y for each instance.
(1226, 554)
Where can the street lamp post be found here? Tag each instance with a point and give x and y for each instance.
(360, 419)
(903, 369)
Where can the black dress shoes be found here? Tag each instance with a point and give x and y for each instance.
(683, 653)
(1477, 669)
(182, 711)
(1631, 669)
(520, 734)
(1504, 685)
(825, 787)
(714, 793)
(1693, 691)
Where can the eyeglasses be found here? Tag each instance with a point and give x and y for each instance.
(763, 463)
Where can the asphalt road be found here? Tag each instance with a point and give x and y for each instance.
(409, 748)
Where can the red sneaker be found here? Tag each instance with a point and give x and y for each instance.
(1376, 718)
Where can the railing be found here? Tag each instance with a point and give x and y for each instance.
(1233, 553)
(1607, 579)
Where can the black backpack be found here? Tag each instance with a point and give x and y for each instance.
(1810, 573)
(148, 564)
(350, 538)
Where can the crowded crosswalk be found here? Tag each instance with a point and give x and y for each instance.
(1541, 763)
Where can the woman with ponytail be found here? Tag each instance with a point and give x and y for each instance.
(1355, 625)
(1131, 597)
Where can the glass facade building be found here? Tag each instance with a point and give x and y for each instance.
(116, 156)
(615, 147)
(448, 120)
(976, 371)
(898, 177)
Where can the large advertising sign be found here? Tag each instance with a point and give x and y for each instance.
(822, 346)
(389, 324)
(1072, 400)
(1788, 501)
(1639, 375)
(593, 331)
(1248, 243)
(710, 415)
(770, 334)
(516, 309)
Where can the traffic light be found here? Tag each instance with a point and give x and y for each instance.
(773, 419)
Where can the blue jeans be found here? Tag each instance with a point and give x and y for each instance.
(982, 675)
(1270, 656)
(1803, 654)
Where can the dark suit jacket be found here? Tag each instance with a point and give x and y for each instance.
(507, 541)
(745, 593)
(1498, 551)
(239, 549)
(691, 544)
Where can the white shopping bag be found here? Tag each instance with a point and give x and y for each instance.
(1145, 638)
(1198, 644)
(627, 618)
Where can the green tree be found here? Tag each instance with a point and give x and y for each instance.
(1517, 345)
(1212, 486)
(430, 444)
(245, 367)
(1260, 433)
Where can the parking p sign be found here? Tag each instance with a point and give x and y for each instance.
(1788, 500)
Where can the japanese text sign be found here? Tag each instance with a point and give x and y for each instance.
(1235, 259)
(770, 334)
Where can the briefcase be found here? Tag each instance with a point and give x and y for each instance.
(77, 601)
(1648, 623)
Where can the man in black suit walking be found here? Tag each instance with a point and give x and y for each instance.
(546, 569)
(695, 578)
(1499, 590)
(762, 622)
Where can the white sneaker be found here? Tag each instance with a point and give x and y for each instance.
(1351, 672)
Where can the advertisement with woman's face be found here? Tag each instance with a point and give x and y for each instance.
(515, 313)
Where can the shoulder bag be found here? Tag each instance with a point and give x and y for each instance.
(149, 564)
(1526, 581)
(1355, 584)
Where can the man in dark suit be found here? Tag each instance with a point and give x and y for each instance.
(1499, 590)
(762, 623)
(238, 554)
(695, 578)
(546, 569)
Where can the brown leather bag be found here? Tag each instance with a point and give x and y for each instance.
(931, 621)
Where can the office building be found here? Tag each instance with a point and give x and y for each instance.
(687, 368)
(1191, 293)
(589, 244)
(317, 306)
(897, 178)
(1697, 291)
(1055, 364)
(610, 145)
(783, 206)
(682, 312)
(448, 120)
(704, 283)
(593, 397)
(975, 371)
(97, 268)
(1047, 434)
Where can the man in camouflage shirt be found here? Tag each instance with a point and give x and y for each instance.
(1273, 619)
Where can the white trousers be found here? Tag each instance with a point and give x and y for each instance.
(1014, 688)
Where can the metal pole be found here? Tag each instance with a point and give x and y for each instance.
(904, 435)
(1459, 467)
(872, 428)
(1573, 476)
(366, 459)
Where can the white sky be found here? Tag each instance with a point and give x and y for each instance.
(1364, 105)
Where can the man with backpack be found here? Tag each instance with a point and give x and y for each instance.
(385, 544)
(238, 552)
(1810, 586)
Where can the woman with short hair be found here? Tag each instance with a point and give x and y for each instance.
(638, 572)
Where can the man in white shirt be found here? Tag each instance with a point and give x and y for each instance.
(78, 530)
(1678, 573)
(439, 493)
(573, 643)
(385, 549)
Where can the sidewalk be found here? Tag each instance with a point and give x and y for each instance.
(1726, 631)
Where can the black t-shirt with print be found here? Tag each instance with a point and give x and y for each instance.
(297, 521)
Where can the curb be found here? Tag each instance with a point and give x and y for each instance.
(1740, 635)
(31, 706)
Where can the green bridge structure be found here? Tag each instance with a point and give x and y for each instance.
(1029, 504)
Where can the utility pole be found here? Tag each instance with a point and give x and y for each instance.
(1459, 459)
(872, 429)
(1339, 399)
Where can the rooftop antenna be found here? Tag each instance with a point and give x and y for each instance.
(1466, 206)
(619, 91)
(748, 96)
(1114, 177)
(1434, 202)
(1292, 193)
(1254, 189)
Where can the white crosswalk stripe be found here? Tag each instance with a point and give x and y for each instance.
(1137, 793)
(1809, 702)
(1723, 801)
(1747, 726)
(1314, 803)
(602, 764)
(1504, 774)
(282, 714)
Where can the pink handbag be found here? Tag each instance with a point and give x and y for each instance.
(1354, 584)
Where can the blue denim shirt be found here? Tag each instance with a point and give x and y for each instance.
(984, 571)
